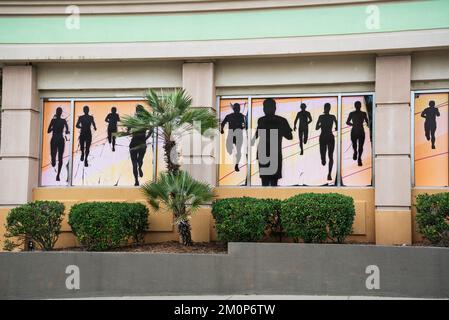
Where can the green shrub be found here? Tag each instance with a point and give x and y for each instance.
(244, 219)
(432, 217)
(273, 212)
(38, 221)
(106, 225)
(318, 217)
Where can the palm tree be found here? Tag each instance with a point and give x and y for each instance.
(170, 117)
(182, 195)
(174, 115)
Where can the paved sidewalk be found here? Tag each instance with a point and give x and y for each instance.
(250, 297)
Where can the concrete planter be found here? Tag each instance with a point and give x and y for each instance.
(248, 268)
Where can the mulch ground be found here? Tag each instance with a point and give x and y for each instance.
(176, 247)
(171, 247)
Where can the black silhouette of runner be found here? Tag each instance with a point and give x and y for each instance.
(137, 149)
(327, 139)
(269, 125)
(112, 119)
(430, 124)
(84, 123)
(355, 120)
(237, 123)
(304, 119)
(57, 142)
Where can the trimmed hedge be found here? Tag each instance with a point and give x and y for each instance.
(309, 217)
(318, 217)
(432, 217)
(106, 225)
(244, 219)
(39, 222)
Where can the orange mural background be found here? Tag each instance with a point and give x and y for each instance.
(107, 168)
(48, 173)
(227, 176)
(351, 174)
(431, 165)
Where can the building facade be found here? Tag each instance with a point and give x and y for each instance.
(381, 66)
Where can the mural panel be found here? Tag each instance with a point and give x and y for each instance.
(102, 159)
(233, 142)
(431, 140)
(356, 141)
(307, 148)
(56, 143)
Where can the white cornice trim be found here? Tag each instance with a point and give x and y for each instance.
(38, 7)
(379, 43)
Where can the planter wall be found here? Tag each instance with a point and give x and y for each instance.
(248, 268)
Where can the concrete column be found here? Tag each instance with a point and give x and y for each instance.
(19, 152)
(199, 159)
(392, 150)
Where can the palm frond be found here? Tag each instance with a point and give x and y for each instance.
(154, 101)
(141, 122)
(180, 100)
(202, 116)
(179, 192)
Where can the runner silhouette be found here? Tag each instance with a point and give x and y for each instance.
(269, 125)
(430, 124)
(57, 142)
(355, 120)
(112, 119)
(327, 139)
(236, 123)
(304, 119)
(137, 149)
(84, 123)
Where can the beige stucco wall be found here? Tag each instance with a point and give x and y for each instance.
(392, 163)
(306, 74)
(319, 70)
(20, 138)
(391, 222)
(430, 66)
(281, 75)
(109, 75)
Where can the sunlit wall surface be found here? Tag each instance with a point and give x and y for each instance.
(431, 164)
(227, 175)
(353, 172)
(56, 144)
(298, 170)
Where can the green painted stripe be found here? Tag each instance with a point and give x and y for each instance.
(309, 21)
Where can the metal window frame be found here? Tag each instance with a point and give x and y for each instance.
(72, 128)
(41, 138)
(339, 97)
(413, 94)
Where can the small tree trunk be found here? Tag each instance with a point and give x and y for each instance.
(184, 232)
(172, 163)
(184, 228)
